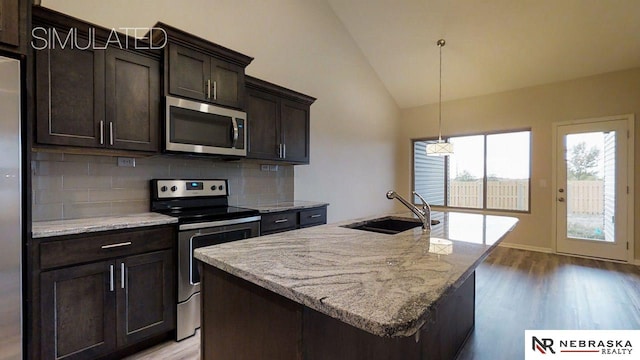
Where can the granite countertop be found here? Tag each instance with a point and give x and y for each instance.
(287, 205)
(386, 285)
(42, 229)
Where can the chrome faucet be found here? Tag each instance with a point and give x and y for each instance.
(423, 214)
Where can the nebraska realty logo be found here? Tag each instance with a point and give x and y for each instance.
(581, 344)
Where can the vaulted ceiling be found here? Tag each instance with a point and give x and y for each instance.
(492, 45)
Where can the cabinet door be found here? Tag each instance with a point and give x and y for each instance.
(146, 301)
(262, 124)
(70, 96)
(294, 129)
(227, 84)
(132, 101)
(189, 73)
(9, 22)
(78, 312)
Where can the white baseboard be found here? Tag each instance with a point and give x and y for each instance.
(527, 247)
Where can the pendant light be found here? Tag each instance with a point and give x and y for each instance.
(440, 148)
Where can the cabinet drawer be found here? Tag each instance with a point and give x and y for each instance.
(278, 222)
(312, 217)
(84, 248)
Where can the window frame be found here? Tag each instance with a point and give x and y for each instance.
(484, 177)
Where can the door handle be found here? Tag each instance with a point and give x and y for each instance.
(111, 133)
(101, 132)
(111, 277)
(561, 199)
(122, 277)
(280, 221)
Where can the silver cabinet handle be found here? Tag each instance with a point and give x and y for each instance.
(215, 90)
(122, 277)
(280, 151)
(315, 216)
(284, 151)
(115, 245)
(111, 277)
(101, 132)
(208, 88)
(280, 221)
(111, 133)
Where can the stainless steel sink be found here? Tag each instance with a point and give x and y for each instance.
(388, 225)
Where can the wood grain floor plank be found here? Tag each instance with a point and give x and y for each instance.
(518, 290)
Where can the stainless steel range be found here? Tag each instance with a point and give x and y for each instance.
(204, 218)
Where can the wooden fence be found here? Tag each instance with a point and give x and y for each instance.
(584, 197)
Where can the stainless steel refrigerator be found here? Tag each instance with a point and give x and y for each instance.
(10, 212)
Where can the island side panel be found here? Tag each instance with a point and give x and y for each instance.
(454, 322)
(243, 321)
(328, 338)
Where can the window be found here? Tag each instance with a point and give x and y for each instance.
(486, 171)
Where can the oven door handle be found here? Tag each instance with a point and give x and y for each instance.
(203, 225)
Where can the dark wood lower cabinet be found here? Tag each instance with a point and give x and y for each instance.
(241, 320)
(107, 294)
(143, 302)
(78, 312)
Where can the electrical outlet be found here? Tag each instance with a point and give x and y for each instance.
(264, 167)
(273, 167)
(126, 162)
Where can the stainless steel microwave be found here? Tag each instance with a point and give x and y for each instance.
(201, 128)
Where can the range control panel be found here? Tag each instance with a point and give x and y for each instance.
(190, 188)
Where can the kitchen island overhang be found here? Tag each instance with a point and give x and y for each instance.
(385, 287)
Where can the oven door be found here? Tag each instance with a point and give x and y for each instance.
(203, 128)
(193, 236)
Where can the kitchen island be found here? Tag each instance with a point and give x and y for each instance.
(341, 293)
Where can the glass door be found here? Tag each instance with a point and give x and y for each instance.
(591, 189)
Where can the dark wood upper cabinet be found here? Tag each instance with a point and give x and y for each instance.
(14, 18)
(70, 103)
(93, 97)
(133, 100)
(264, 134)
(278, 122)
(201, 70)
(188, 72)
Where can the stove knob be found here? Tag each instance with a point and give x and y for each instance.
(174, 188)
(213, 188)
(220, 187)
(163, 189)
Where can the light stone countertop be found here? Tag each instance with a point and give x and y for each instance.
(386, 285)
(286, 205)
(43, 229)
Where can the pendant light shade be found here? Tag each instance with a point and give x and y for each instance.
(440, 148)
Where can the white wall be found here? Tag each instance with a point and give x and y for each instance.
(303, 46)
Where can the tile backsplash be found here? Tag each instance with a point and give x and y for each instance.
(69, 186)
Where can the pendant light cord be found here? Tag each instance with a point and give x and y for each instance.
(440, 44)
(440, 98)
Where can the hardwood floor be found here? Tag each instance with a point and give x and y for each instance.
(518, 290)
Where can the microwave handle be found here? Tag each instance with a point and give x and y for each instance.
(235, 131)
